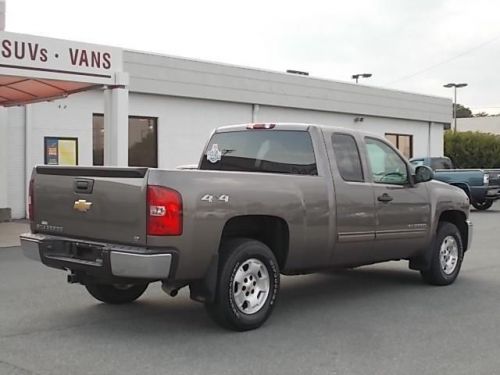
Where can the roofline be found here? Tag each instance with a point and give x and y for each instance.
(263, 70)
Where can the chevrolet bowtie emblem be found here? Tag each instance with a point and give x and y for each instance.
(82, 205)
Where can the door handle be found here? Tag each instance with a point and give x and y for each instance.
(385, 198)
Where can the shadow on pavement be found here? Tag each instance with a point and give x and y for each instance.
(160, 314)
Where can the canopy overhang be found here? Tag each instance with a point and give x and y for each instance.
(23, 90)
(35, 69)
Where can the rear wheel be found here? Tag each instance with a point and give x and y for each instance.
(248, 285)
(116, 293)
(481, 206)
(446, 257)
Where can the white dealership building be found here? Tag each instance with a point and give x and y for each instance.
(73, 103)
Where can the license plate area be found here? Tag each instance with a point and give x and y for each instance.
(86, 252)
(75, 251)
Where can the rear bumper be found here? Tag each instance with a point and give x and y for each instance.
(493, 193)
(97, 259)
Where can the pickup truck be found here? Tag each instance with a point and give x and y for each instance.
(265, 200)
(482, 186)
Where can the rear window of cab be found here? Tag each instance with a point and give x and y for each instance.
(268, 151)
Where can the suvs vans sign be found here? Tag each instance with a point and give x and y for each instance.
(39, 57)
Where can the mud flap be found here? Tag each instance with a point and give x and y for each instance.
(204, 290)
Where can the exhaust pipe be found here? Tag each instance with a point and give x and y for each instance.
(73, 278)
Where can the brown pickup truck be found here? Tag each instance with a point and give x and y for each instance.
(265, 200)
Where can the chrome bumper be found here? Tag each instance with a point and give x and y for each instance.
(124, 261)
(469, 233)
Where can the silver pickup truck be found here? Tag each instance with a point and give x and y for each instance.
(265, 200)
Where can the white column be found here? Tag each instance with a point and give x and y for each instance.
(28, 159)
(255, 112)
(116, 126)
(4, 203)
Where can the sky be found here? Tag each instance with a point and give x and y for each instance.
(407, 45)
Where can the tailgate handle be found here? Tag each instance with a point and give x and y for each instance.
(83, 185)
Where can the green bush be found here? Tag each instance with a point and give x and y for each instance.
(472, 149)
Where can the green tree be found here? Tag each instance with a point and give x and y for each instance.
(472, 149)
(481, 114)
(463, 111)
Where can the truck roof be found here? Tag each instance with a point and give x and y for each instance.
(297, 126)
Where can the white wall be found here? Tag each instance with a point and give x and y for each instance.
(377, 125)
(3, 159)
(490, 124)
(184, 125)
(70, 117)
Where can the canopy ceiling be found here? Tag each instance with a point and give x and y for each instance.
(23, 90)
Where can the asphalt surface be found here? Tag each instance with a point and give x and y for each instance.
(375, 320)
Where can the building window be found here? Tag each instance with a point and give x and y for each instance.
(403, 142)
(142, 141)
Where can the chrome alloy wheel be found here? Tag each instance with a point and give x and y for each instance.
(251, 286)
(448, 255)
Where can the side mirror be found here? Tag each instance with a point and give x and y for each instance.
(423, 174)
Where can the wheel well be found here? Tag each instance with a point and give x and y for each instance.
(458, 218)
(270, 230)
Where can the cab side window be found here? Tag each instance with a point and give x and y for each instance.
(347, 157)
(386, 165)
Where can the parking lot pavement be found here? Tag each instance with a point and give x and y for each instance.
(374, 320)
(10, 231)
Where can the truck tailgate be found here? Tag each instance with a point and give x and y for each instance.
(96, 203)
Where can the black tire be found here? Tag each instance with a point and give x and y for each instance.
(224, 310)
(436, 275)
(482, 206)
(116, 294)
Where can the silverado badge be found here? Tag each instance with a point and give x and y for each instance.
(82, 205)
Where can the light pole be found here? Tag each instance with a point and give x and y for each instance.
(455, 87)
(363, 75)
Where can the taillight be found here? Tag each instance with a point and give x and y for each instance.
(31, 201)
(486, 179)
(164, 211)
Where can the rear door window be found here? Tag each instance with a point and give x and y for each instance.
(271, 151)
(440, 163)
(347, 157)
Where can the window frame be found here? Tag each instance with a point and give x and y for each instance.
(156, 138)
(408, 181)
(156, 121)
(310, 138)
(398, 135)
(363, 177)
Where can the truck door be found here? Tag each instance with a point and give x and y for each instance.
(354, 200)
(402, 209)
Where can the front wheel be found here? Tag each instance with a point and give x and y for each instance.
(116, 293)
(247, 287)
(482, 206)
(447, 255)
